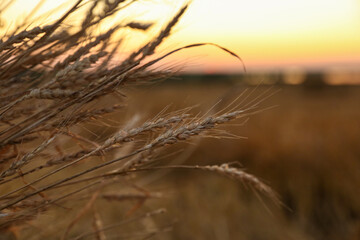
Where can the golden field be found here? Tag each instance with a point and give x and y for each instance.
(305, 147)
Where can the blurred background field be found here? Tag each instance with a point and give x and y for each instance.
(304, 143)
(306, 147)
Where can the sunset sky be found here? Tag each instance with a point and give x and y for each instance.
(267, 34)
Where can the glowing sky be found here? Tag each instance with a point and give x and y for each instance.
(267, 34)
(275, 33)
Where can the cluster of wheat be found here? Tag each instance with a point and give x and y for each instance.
(57, 78)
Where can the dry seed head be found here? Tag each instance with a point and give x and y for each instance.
(65, 159)
(26, 158)
(164, 33)
(85, 49)
(51, 94)
(239, 174)
(139, 26)
(79, 66)
(78, 118)
(184, 132)
(20, 37)
(126, 136)
(18, 113)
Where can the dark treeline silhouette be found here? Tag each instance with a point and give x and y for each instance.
(308, 80)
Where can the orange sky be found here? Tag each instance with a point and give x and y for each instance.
(273, 33)
(267, 34)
